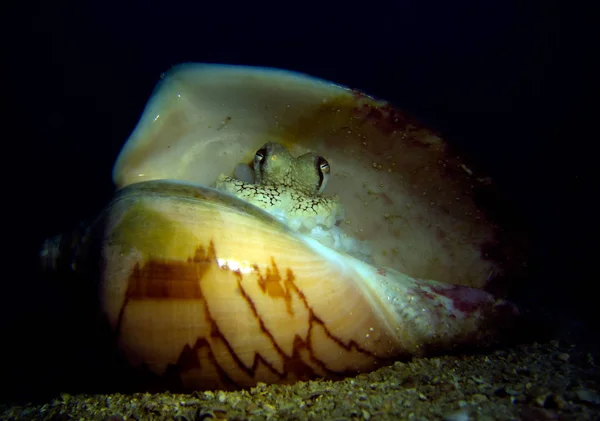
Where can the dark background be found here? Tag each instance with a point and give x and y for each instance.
(509, 81)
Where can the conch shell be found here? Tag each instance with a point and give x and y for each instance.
(209, 291)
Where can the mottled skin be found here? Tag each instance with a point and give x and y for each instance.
(288, 187)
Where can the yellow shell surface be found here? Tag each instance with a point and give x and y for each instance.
(225, 308)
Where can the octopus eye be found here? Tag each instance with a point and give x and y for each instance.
(323, 165)
(260, 154)
(324, 169)
(259, 159)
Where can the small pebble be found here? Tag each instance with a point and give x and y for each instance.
(589, 396)
(461, 415)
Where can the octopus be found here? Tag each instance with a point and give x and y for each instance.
(288, 188)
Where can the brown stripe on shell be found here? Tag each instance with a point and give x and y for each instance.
(293, 364)
(314, 320)
(270, 284)
(169, 279)
(164, 279)
(188, 360)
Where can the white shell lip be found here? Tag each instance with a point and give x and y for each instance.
(243, 105)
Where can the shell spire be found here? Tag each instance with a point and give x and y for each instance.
(62, 252)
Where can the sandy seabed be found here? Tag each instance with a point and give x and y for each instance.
(553, 380)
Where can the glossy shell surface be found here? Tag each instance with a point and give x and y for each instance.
(208, 291)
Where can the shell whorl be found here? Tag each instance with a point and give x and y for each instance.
(222, 295)
(253, 300)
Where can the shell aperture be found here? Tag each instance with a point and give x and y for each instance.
(402, 187)
(290, 189)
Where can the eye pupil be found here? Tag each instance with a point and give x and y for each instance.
(323, 164)
(324, 170)
(260, 154)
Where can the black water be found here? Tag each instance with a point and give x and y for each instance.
(508, 81)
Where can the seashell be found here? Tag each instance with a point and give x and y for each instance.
(208, 290)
